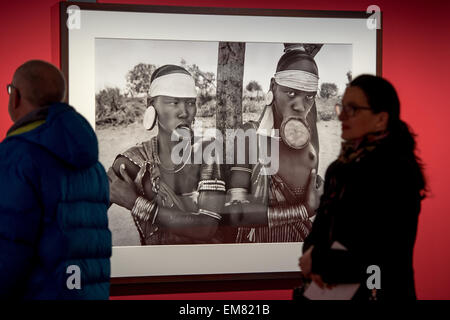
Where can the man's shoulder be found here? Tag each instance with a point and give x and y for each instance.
(19, 167)
(30, 159)
(15, 149)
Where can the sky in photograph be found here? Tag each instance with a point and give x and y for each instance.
(115, 57)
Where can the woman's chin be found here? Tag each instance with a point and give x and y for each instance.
(347, 136)
(344, 135)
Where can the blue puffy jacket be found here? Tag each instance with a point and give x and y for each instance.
(54, 196)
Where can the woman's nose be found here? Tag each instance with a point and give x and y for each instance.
(183, 112)
(342, 116)
(298, 105)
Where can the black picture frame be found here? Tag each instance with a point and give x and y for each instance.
(128, 285)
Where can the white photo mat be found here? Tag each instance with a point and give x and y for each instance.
(175, 260)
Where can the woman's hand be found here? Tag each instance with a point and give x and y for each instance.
(122, 192)
(312, 199)
(318, 280)
(305, 263)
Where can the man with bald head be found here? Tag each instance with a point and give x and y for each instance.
(54, 236)
(40, 84)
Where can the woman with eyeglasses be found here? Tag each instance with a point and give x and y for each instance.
(366, 224)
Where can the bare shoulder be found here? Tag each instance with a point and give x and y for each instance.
(131, 168)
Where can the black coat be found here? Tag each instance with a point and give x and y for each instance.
(370, 206)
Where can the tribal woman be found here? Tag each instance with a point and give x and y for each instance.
(172, 200)
(277, 206)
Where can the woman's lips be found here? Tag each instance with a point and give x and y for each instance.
(182, 125)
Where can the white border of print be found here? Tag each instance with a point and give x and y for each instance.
(205, 259)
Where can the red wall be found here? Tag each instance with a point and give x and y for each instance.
(416, 54)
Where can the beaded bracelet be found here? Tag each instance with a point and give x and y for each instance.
(211, 185)
(212, 188)
(212, 181)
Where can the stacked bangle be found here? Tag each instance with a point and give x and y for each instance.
(237, 195)
(241, 169)
(144, 210)
(278, 216)
(209, 213)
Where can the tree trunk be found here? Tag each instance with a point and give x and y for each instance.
(230, 74)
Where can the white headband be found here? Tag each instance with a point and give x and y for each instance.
(178, 85)
(298, 79)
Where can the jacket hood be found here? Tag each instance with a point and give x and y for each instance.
(67, 135)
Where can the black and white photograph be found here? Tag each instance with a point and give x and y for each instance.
(135, 82)
(123, 73)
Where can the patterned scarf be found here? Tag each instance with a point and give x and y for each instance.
(353, 150)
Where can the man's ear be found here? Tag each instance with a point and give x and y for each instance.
(16, 98)
(14, 105)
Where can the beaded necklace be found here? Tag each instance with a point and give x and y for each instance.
(158, 160)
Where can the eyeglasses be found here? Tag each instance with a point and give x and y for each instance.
(349, 110)
(9, 88)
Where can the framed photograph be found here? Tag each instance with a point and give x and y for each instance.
(107, 54)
